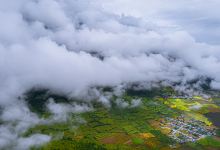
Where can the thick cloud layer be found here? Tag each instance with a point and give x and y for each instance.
(72, 45)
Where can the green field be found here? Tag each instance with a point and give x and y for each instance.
(122, 128)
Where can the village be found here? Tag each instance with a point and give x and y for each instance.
(185, 130)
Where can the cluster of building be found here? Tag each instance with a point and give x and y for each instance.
(189, 130)
(182, 97)
(174, 97)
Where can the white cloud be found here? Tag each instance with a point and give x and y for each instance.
(60, 112)
(34, 140)
(46, 43)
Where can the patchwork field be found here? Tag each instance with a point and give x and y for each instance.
(159, 122)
